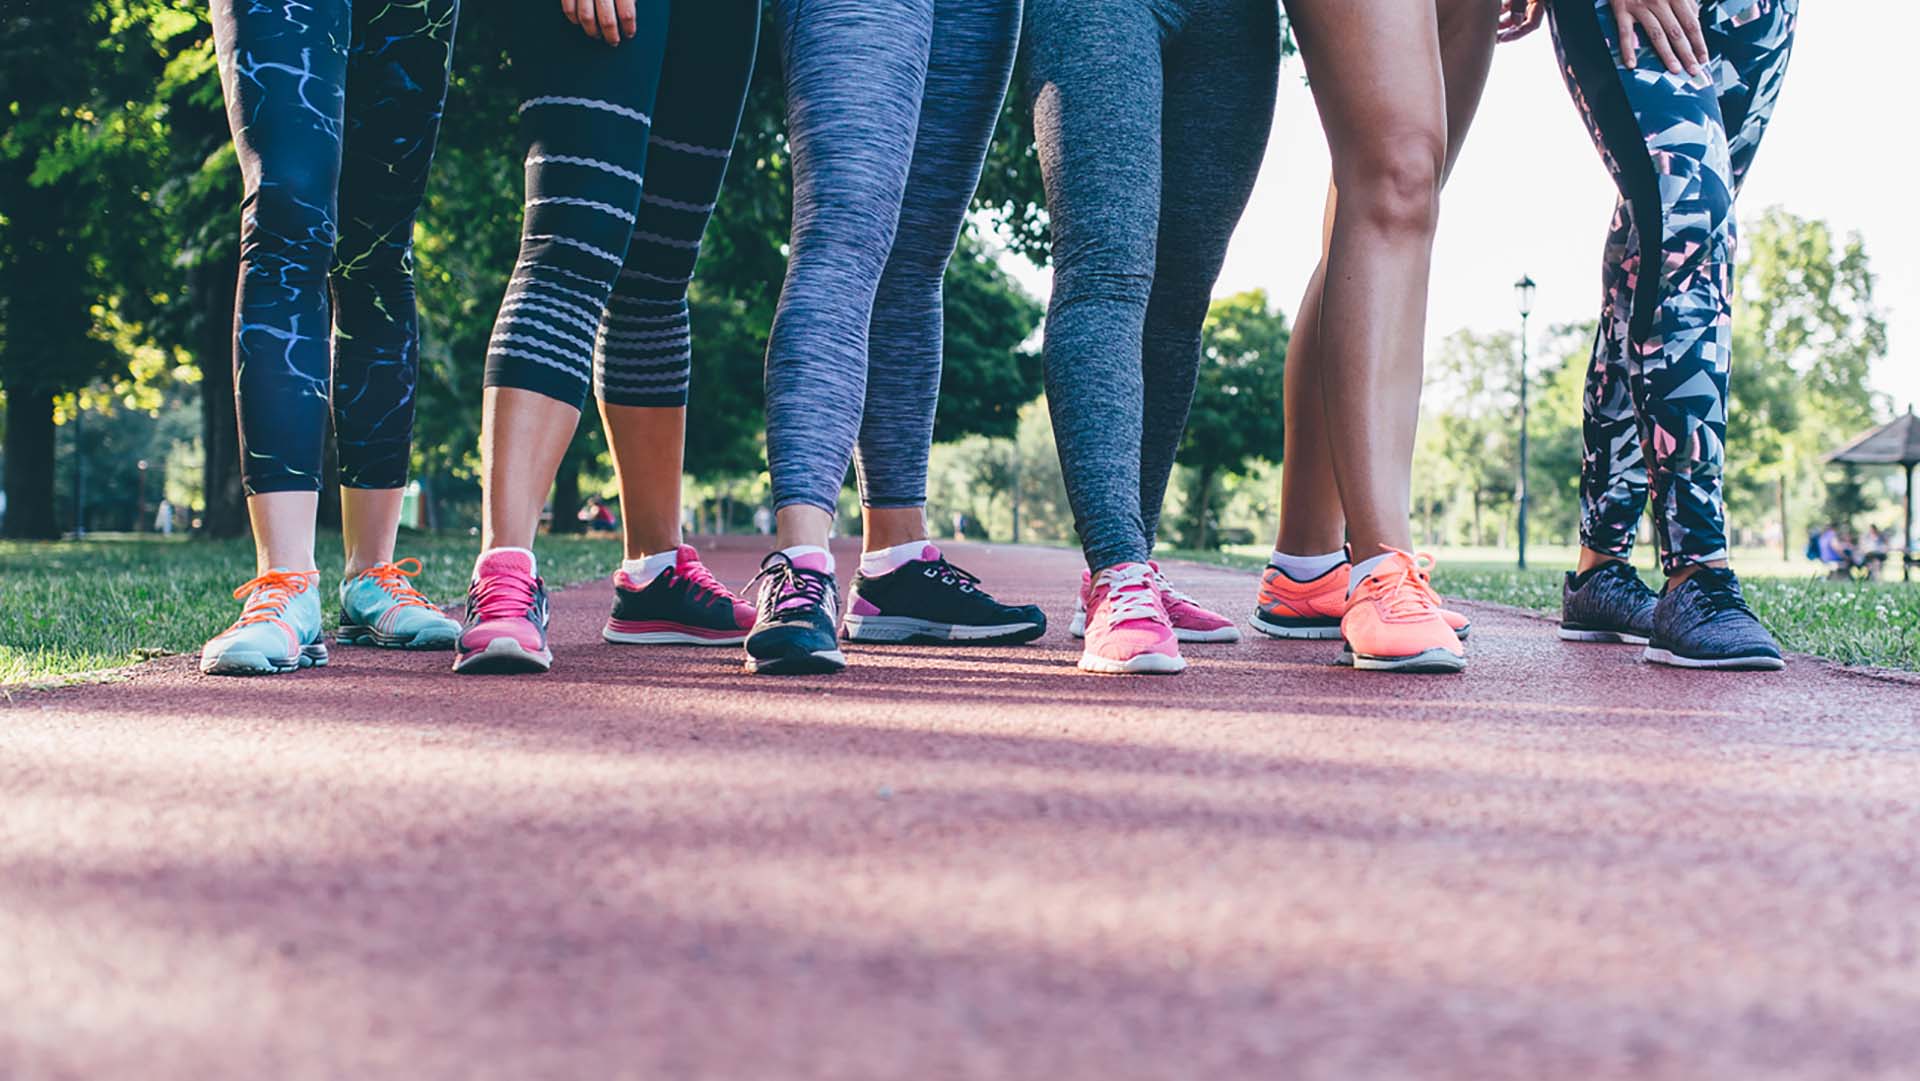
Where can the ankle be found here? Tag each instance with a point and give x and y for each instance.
(1677, 578)
(1590, 558)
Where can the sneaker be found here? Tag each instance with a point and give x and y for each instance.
(1127, 626)
(278, 629)
(684, 605)
(794, 628)
(1191, 622)
(1608, 603)
(379, 608)
(1705, 623)
(1393, 621)
(929, 600)
(1286, 608)
(506, 628)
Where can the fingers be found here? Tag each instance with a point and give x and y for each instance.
(1629, 44)
(608, 20)
(1515, 28)
(1696, 37)
(571, 9)
(629, 19)
(1658, 40)
(1673, 23)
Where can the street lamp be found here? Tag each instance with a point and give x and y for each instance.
(1523, 291)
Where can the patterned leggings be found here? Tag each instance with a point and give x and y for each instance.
(1679, 150)
(334, 108)
(599, 294)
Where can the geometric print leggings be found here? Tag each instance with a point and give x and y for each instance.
(1679, 149)
(334, 108)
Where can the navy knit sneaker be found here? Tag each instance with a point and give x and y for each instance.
(798, 613)
(1705, 623)
(1607, 603)
(929, 600)
(683, 605)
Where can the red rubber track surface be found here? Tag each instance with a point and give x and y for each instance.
(964, 864)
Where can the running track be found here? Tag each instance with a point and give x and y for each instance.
(648, 865)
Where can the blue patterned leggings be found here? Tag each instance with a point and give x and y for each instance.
(334, 108)
(1679, 149)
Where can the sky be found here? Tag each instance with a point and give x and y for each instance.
(1529, 194)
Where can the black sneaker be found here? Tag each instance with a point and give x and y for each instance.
(685, 605)
(793, 629)
(932, 601)
(1608, 603)
(1705, 623)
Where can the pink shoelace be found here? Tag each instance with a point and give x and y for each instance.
(503, 596)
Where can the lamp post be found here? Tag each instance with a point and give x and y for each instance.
(1523, 294)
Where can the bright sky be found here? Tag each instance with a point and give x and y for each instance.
(1530, 195)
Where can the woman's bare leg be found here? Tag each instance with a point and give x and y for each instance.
(1311, 519)
(649, 445)
(516, 485)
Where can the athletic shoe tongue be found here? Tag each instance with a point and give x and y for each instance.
(507, 563)
(811, 561)
(930, 553)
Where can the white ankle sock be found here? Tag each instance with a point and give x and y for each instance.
(1363, 568)
(799, 550)
(533, 562)
(888, 560)
(647, 568)
(1307, 568)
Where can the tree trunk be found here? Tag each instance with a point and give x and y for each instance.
(1202, 498)
(213, 283)
(566, 497)
(1479, 538)
(1786, 536)
(29, 474)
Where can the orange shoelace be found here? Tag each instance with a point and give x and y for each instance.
(392, 577)
(1407, 594)
(270, 592)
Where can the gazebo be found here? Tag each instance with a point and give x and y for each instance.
(1895, 443)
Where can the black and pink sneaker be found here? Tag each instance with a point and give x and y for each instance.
(684, 605)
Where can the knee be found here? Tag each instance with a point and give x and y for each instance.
(1103, 271)
(1393, 184)
(291, 213)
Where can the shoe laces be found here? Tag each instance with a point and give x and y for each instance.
(702, 579)
(392, 578)
(1166, 588)
(503, 596)
(1720, 591)
(1406, 593)
(951, 575)
(1131, 594)
(267, 594)
(791, 586)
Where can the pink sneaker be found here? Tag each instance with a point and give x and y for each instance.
(1191, 623)
(506, 628)
(1127, 627)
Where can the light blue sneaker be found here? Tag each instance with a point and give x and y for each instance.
(278, 630)
(379, 608)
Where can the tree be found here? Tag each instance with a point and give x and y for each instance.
(1237, 413)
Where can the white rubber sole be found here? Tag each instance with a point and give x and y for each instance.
(1298, 634)
(246, 662)
(504, 655)
(1570, 634)
(665, 638)
(1750, 664)
(824, 662)
(1229, 633)
(1436, 661)
(354, 635)
(899, 629)
(1158, 664)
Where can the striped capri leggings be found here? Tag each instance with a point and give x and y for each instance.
(599, 292)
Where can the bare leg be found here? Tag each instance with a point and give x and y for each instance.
(283, 530)
(537, 429)
(369, 526)
(797, 524)
(1311, 519)
(649, 444)
(888, 526)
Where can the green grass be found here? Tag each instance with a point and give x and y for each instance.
(1875, 623)
(76, 606)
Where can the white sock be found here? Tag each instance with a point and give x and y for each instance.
(1306, 568)
(533, 562)
(799, 550)
(1363, 568)
(648, 568)
(888, 560)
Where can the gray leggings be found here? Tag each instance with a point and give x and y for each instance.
(1151, 117)
(890, 107)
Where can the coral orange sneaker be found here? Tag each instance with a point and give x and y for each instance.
(1393, 623)
(1286, 608)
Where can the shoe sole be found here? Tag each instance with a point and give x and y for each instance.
(1581, 634)
(251, 663)
(1748, 664)
(1155, 664)
(825, 662)
(355, 635)
(666, 638)
(503, 656)
(1434, 661)
(1078, 628)
(907, 630)
(1304, 632)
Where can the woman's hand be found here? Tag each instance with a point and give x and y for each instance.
(1518, 18)
(1672, 27)
(603, 19)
